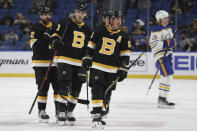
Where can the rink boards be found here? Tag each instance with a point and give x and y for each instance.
(18, 64)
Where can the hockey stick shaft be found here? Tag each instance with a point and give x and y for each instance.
(43, 81)
(81, 101)
(116, 80)
(87, 83)
(160, 64)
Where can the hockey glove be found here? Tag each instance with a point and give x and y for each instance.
(86, 62)
(47, 37)
(57, 43)
(122, 73)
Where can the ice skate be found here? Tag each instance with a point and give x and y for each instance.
(43, 117)
(97, 122)
(61, 118)
(164, 104)
(70, 119)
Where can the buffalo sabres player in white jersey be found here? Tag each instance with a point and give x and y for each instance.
(160, 41)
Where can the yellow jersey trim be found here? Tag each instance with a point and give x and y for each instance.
(46, 25)
(117, 31)
(104, 66)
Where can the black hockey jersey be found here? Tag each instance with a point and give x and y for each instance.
(75, 40)
(42, 52)
(109, 47)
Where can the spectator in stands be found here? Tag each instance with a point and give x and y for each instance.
(193, 26)
(184, 40)
(1, 38)
(6, 4)
(7, 20)
(139, 28)
(172, 19)
(20, 20)
(173, 7)
(191, 46)
(142, 44)
(152, 20)
(35, 6)
(27, 46)
(26, 28)
(11, 36)
(51, 4)
(186, 5)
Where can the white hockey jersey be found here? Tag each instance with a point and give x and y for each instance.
(160, 39)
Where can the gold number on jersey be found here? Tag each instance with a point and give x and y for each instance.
(32, 34)
(107, 46)
(78, 40)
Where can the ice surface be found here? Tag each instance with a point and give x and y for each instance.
(130, 108)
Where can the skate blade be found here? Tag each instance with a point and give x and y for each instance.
(61, 123)
(70, 123)
(43, 120)
(165, 107)
(98, 126)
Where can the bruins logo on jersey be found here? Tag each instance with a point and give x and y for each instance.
(108, 46)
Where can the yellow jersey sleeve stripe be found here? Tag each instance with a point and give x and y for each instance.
(41, 61)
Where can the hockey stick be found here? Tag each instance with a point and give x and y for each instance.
(45, 76)
(43, 81)
(81, 101)
(161, 62)
(87, 83)
(116, 80)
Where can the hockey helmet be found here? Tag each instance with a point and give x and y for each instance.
(161, 14)
(44, 10)
(117, 14)
(107, 13)
(82, 7)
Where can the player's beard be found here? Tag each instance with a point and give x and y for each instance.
(46, 21)
(78, 20)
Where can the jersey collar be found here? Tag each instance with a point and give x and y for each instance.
(46, 25)
(114, 32)
(81, 24)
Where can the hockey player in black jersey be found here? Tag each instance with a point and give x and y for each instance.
(42, 56)
(74, 34)
(107, 54)
(106, 15)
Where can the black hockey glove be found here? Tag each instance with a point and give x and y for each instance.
(57, 43)
(86, 62)
(47, 37)
(122, 73)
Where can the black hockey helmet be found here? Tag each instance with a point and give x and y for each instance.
(81, 6)
(117, 14)
(43, 10)
(107, 13)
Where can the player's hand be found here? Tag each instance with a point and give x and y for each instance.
(47, 37)
(86, 62)
(57, 43)
(122, 73)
